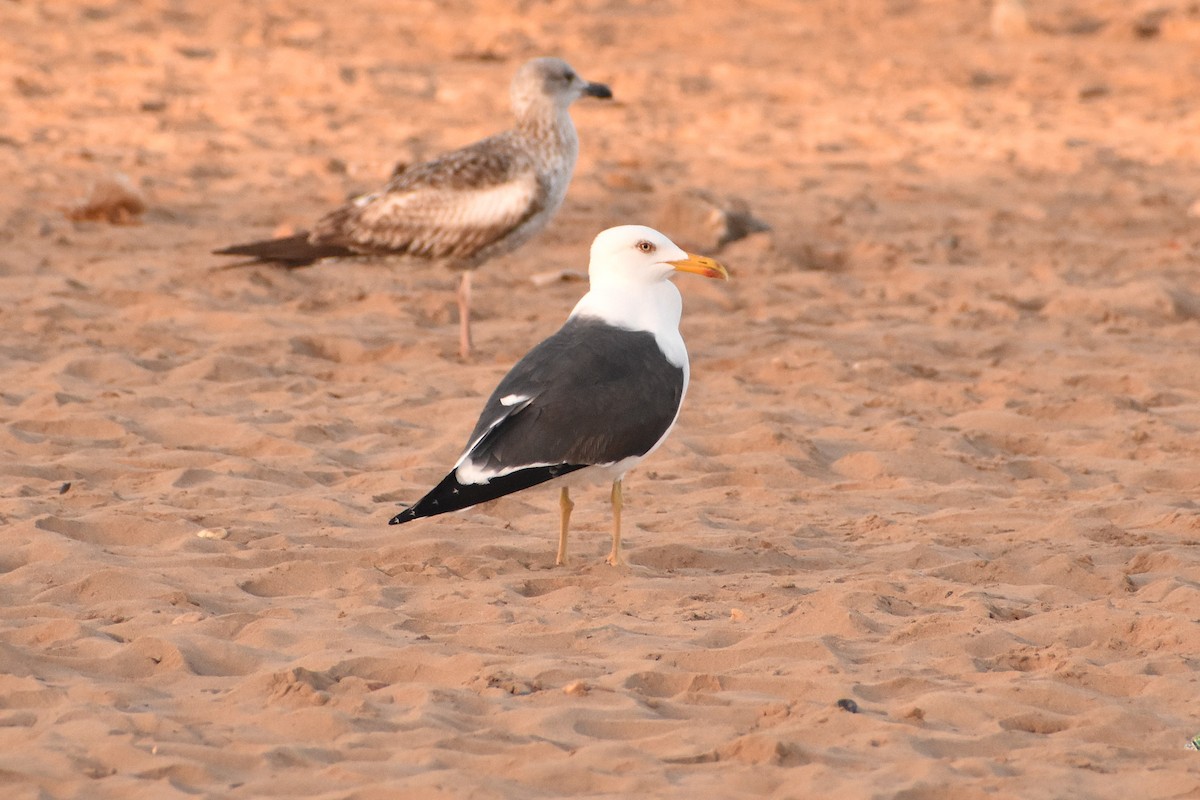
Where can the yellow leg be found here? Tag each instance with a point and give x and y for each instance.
(464, 315)
(614, 557)
(565, 505)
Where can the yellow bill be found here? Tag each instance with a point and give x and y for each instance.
(701, 265)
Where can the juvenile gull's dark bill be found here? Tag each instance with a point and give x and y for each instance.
(594, 399)
(467, 206)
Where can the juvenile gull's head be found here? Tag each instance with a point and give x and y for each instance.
(550, 84)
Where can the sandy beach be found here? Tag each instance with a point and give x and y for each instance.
(928, 527)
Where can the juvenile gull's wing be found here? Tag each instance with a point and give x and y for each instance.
(449, 208)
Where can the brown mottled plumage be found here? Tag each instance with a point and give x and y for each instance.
(466, 206)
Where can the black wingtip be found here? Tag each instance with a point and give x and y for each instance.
(450, 495)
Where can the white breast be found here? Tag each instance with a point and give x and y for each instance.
(655, 309)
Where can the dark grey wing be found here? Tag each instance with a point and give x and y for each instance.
(448, 208)
(590, 394)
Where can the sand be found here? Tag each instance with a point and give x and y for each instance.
(928, 526)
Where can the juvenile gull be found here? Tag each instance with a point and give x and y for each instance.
(596, 397)
(466, 206)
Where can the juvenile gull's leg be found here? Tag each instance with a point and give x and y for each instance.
(464, 314)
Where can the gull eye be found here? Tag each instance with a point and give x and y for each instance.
(568, 76)
(646, 247)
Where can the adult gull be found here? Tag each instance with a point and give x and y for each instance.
(594, 399)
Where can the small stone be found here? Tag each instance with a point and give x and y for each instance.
(303, 33)
(846, 704)
(698, 220)
(1009, 19)
(556, 276)
(113, 200)
(1149, 24)
(626, 182)
(213, 533)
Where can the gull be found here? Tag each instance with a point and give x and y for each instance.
(467, 206)
(592, 400)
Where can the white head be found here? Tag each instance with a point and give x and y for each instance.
(630, 273)
(550, 83)
(635, 256)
